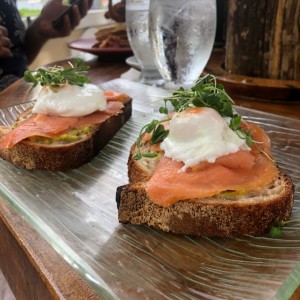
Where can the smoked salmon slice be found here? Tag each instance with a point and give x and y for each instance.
(241, 171)
(115, 96)
(50, 126)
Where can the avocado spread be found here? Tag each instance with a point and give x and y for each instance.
(71, 136)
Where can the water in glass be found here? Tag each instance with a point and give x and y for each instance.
(182, 34)
(137, 13)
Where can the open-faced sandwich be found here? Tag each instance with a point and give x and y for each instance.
(70, 122)
(203, 170)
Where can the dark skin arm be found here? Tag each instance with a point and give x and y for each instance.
(5, 43)
(41, 30)
(116, 12)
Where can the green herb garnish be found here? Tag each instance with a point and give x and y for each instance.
(206, 93)
(276, 230)
(158, 135)
(57, 76)
(235, 125)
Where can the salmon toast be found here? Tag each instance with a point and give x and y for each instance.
(65, 128)
(205, 173)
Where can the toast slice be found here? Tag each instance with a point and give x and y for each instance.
(222, 215)
(36, 154)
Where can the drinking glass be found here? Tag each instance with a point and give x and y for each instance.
(137, 16)
(182, 34)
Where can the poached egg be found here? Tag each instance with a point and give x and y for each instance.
(200, 134)
(70, 100)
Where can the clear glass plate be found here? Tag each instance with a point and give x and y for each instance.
(76, 213)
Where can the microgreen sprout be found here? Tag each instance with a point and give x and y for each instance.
(57, 76)
(159, 133)
(276, 230)
(205, 93)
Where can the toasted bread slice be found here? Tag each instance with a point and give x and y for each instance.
(37, 155)
(222, 215)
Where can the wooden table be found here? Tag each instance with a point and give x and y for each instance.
(32, 267)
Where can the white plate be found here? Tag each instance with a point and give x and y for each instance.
(132, 62)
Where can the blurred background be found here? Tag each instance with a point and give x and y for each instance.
(33, 7)
(57, 49)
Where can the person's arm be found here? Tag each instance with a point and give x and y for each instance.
(41, 30)
(5, 43)
(116, 11)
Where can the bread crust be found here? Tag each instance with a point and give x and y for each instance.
(141, 170)
(218, 216)
(222, 215)
(37, 156)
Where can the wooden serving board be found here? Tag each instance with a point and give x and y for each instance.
(251, 87)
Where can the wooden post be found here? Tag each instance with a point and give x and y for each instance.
(263, 38)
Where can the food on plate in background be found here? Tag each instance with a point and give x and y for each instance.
(112, 36)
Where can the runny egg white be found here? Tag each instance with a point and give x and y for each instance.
(198, 135)
(70, 100)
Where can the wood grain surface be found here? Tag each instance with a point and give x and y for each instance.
(276, 96)
(263, 39)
